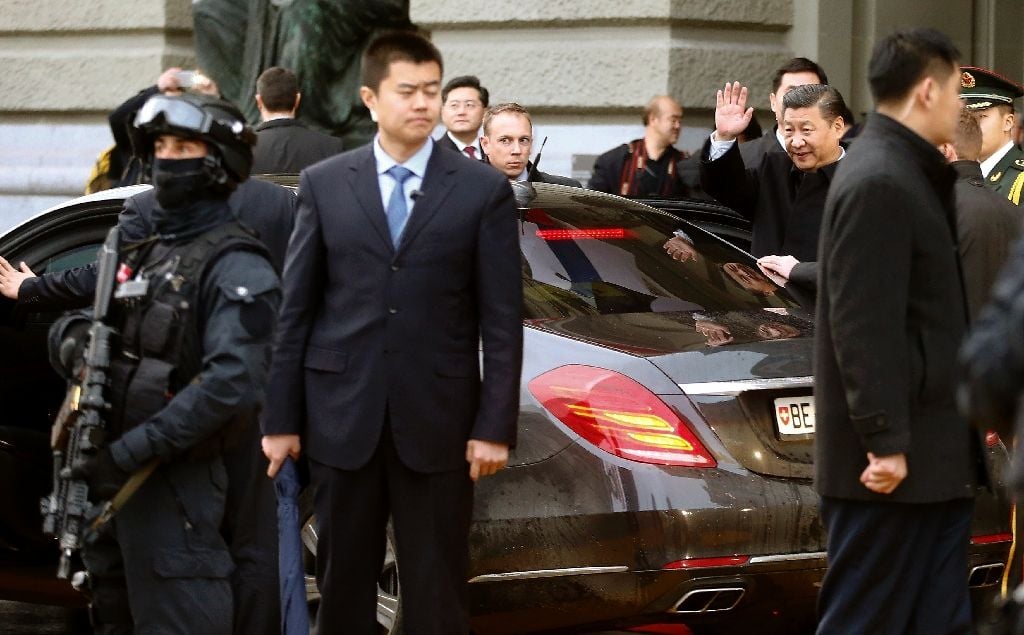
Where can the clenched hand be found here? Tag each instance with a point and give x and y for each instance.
(485, 458)
(277, 448)
(884, 473)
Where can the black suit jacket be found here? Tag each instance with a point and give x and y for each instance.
(267, 208)
(446, 142)
(783, 203)
(369, 333)
(753, 151)
(987, 226)
(607, 174)
(287, 146)
(890, 316)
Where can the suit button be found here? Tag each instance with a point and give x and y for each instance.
(392, 311)
(394, 267)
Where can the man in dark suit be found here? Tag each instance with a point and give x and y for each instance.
(285, 145)
(784, 194)
(463, 101)
(895, 465)
(798, 71)
(987, 224)
(393, 239)
(250, 508)
(508, 140)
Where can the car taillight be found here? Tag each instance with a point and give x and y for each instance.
(597, 233)
(619, 416)
(704, 563)
(989, 539)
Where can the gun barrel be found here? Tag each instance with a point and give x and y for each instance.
(106, 269)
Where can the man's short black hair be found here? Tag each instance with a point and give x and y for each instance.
(395, 46)
(798, 65)
(829, 101)
(277, 87)
(904, 58)
(466, 81)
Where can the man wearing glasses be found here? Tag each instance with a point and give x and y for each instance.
(464, 102)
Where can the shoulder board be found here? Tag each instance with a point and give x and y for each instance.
(1019, 164)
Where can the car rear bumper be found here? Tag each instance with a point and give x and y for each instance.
(771, 593)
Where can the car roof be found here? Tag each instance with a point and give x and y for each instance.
(118, 194)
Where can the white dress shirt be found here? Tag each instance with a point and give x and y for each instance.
(462, 146)
(990, 163)
(417, 164)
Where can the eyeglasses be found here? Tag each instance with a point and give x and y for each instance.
(457, 105)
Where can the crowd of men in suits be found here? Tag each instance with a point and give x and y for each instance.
(899, 234)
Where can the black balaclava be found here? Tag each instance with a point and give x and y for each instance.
(191, 200)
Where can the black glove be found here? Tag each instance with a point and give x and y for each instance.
(100, 472)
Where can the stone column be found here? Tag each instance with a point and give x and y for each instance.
(585, 68)
(65, 65)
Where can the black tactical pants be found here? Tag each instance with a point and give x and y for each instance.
(250, 528)
(167, 556)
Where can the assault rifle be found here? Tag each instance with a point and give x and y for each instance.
(80, 429)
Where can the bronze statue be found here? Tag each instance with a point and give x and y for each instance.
(320, 40)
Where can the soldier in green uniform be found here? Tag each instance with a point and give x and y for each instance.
(990, 97)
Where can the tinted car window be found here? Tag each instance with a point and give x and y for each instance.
(592, 257)
(78, 257)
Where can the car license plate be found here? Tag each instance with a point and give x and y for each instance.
(794, 416)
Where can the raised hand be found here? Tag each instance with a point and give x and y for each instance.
(731, 113)
(11, 278)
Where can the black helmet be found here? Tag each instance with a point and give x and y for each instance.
(196, 116)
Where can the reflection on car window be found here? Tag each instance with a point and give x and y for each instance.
(77, 257)
(595, 257)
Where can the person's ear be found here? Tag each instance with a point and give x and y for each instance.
(259, 101)
(298, 100)
(369, 100)
(773, 103)
(485, 144)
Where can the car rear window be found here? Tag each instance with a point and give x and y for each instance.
(599, 256)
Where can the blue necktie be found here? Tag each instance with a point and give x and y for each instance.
(398, 211)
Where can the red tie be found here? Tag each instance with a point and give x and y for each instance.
(470, 151)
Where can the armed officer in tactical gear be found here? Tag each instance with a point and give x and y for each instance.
(195, 305)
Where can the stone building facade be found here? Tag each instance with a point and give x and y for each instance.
(583, 67)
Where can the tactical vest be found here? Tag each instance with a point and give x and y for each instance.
(155, 303)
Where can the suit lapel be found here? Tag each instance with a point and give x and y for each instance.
(439, 180)
(364, 182)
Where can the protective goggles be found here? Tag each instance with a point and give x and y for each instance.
(161, 110)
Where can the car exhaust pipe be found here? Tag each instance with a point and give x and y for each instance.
(709, 600)
(985, 575)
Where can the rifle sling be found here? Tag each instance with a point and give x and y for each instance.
(127, 490)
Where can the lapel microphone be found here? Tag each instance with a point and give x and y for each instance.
(415, 194)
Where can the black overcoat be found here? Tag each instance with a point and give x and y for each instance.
(890, 316)
(783, 203)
